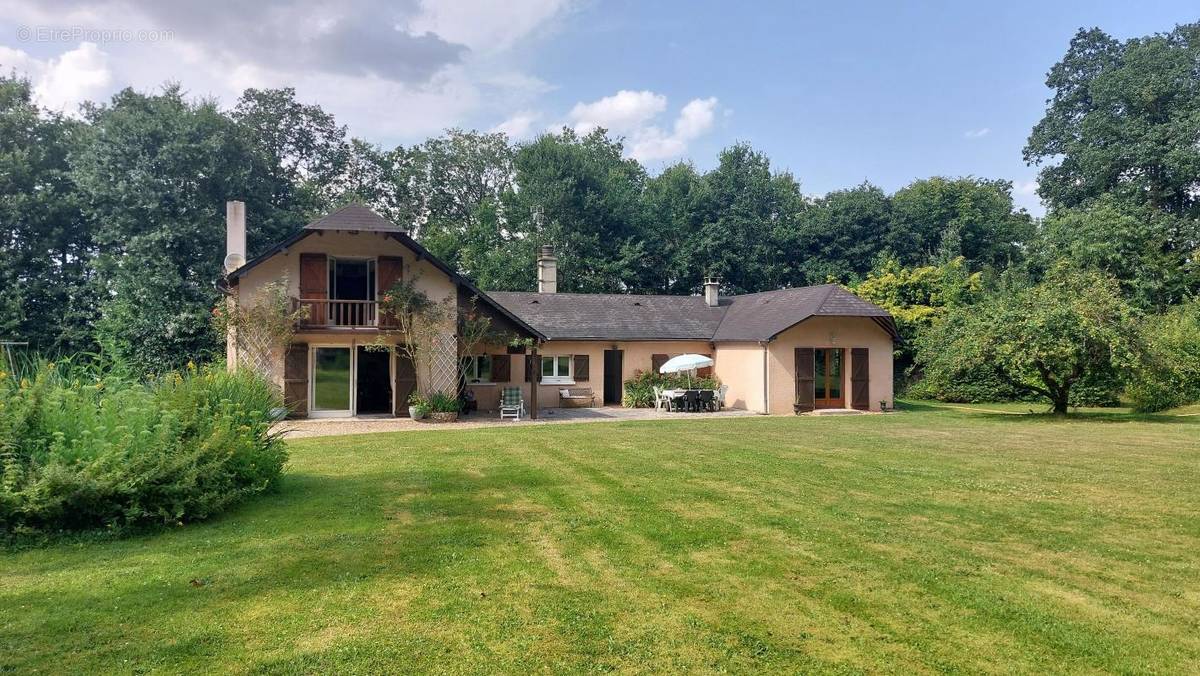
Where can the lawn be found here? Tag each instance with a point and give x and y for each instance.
(925, 541)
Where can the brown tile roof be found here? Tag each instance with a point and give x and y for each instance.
(354, 217)
(762, 316)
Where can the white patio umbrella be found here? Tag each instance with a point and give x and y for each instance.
(685, 363)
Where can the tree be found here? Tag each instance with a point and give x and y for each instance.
(1170, 374)
(1124, 120)
(943, 218)
(300, 151)
(746, 213)
(1071, 329)
(579, 194)
(1153, 255)
(841, 237)
(154, 175)
(918, 297)
(45, 241)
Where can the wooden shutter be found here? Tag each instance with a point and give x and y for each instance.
(501, 368)
(860, 378)
(581, 368)
(805, 394)
(529, 368)
(388, 271)
(705, 372)
(406, 382)
(295, 380)
(314, 284)
(657, 360)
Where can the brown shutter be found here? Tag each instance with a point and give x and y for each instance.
(295, 380)
(805, 394)
(314, 284)
(529, 359)
(705, 372)
(581, 368)
(406, 382)
(656, 361)
(860, 378)
(501, 368)
(388, 271)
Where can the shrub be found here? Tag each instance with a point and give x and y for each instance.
(81, 450)
(1068, 339)
(639, 390)
(1170, 376)
(442, 402)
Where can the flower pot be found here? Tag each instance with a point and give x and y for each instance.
(444, 416)
(415, 412)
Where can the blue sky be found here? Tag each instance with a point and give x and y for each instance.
(836, 93)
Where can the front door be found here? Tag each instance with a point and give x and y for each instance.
(827, 377)
(613, 362)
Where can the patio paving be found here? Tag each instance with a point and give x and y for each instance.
(321, 427)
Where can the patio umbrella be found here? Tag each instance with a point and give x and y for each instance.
(687, 363)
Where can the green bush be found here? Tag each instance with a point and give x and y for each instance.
(639, 390)
(1170, 376)
(442, 402)
(82, 449)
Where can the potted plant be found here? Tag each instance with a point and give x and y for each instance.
(418, 406)
(443, 407)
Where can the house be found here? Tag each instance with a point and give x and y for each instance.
(777, 351)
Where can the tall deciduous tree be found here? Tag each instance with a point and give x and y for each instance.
(580, 194)
(45, 242)
(943, 218)
(1124, 119)
(154, 175)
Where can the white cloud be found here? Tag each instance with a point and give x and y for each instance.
(633, 114)
(622, 113)
(977, 133)
(518, 126)
(485, 25)
(392, 70)
(61, 83)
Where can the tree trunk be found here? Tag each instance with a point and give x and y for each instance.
(1061, 400)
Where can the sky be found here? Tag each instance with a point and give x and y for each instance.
(837, 93)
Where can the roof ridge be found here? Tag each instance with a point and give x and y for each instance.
(825, 298)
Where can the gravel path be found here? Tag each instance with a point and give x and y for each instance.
(323, 427)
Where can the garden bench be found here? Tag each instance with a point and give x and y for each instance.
(576, 397)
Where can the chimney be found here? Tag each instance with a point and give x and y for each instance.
(547, 270)
(712, 287)
(235, 235)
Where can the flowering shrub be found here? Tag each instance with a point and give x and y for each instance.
(86, 449)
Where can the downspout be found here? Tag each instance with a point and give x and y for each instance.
(766, 381)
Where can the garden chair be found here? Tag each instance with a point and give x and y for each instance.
(512, 404)
(706, 401)
(692, 400)
(719, 400)
(658, 398)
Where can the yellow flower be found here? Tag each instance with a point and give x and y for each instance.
(24, 383)
(3, 375)
(191, 365)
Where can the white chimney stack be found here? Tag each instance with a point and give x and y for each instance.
(235, 235)
(547, 270)
(712, 286)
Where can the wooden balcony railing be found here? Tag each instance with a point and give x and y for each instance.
(340, 313)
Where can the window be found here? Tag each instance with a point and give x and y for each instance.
(478, 369)
(557, 370)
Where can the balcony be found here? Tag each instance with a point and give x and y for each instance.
(354, 314)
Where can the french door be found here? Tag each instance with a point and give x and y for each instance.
(827, 377)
